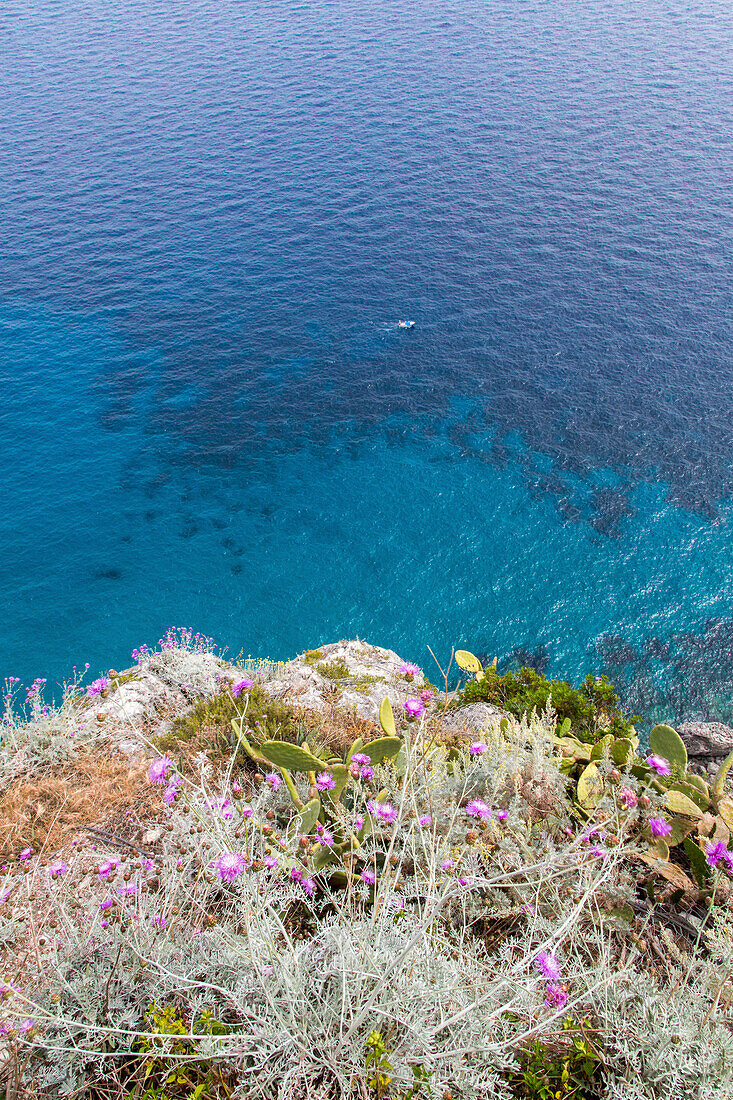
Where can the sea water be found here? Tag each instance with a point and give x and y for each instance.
(213, 217)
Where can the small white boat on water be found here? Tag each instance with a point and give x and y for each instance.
(405, 324)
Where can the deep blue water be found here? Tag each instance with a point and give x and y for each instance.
(212, 216)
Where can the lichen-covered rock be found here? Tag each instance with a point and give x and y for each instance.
(351, 675)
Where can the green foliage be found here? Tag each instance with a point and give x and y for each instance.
(592, 708)
(377, 1064)
(265, 718)
(163, 1075)
(334, 670)
(312, 656)
(666, 742)
(570, 1070)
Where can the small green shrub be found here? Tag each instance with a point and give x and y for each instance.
(266, 718)
(572, 1071)
(334, 670)
(592, 708)
(312, 656)
(164, 1076)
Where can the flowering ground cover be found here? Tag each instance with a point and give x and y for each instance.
(288, 906)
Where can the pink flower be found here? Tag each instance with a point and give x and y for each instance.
(426, 696)
(230, 865)
(106, 904)
(107, 868)
(383, 811)
(358, 824)
(160, 920)
(414, 708)
(659, 826)
(359, 766)
(659, 764)
(367, 771)
(425, 820)
(715, 852)
(170, 794)
(548, 966)
(128, 890)
(296, 875)
(628, 797)
(309, 886)
(360, 758)
(273, 781)
(57, 868)
(98, 686)
(324, 838)
(325, 782)
(158, 770)
(369, 877)
(270, 862)
(243, 685)
(501, 815)
(409, 671)
(26, 854)
(556, 996)
(478, 809)
(477, 748)
(447, 865)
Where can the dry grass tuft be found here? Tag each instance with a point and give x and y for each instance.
(45, 810)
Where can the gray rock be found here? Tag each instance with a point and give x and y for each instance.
(706, 738)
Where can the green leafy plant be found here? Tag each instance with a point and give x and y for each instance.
(592, 709)
(568, 1070)
(164, 1074)
(334, 670)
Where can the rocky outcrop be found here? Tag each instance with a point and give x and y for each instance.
(470, 722)
(352, 675)
(707, 743)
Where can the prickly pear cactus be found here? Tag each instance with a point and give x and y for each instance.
(285, 755)
(666, 742)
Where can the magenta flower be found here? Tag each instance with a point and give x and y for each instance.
(106, 904)
(325, 782)
(383, 811)
(170, 794)
(107, 868)
(296, 875)
(414, 708)
(98, 686)
(409, 671)
(230, 865)
(127, 890)
(556, 996)
(57, 868)
(361, 758)
(324, 838)
(659, 764)
(478, 809)
(270, 862)
(447, 865)
(358, 824)
(309, 886)
(548, 966)
(501, 815)
(659, 826)
(158, 770)
(26, 854)
(426, 696)
(369, 877)
(628, 797)
(273, 781)
(160, 920)
(477, 748)
(715, 852)
(425, 820)
(367, 771)
(243, 685)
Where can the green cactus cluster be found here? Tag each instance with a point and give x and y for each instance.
(698, 812)
(324, 806)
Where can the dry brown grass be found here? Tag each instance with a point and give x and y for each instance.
(93, 789)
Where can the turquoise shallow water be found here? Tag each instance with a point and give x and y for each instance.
(213, 220)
